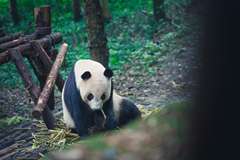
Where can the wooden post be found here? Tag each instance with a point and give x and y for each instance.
(42, 21)
(31, 86)
(47, 62)
(2, 34)
(50, 82)
(11, 37)
(26, 49)
(43, 28)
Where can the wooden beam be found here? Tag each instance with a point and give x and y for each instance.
(40, 106)
(11, 37)
(26, 49)
(31, 86)
(47, 62)
(14, 43)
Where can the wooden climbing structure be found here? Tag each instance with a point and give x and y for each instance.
(39, 49)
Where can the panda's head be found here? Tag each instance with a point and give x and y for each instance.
(94, 84)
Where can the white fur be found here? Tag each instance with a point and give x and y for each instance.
(116, 105)
(66, 115)
(97, 84)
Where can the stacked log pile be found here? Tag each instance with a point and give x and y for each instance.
(37, 48)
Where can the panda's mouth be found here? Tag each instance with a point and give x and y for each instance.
(96, 108)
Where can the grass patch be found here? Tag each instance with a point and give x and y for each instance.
(11, 121)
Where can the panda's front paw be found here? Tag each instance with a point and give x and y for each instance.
(93, 130)
(109, 123)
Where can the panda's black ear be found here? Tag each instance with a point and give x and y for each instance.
(86, 75)
(108, 73)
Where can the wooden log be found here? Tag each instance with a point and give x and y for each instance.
(26, 49)
(11, 148)
(47, 62)
(31, 86)
(17, 42)
(11, 37)
(36, 152)
(2, 34)
(28, 154)
(9, 140)
(5, 135)
(50, 82)
(42, 28)
(24, 149)
(42, 21)
(41, 72)
(50, 103)
(43, 16)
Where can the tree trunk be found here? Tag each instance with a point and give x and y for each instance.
(2, 34)
(14, 11)
(158, 9)
(76, 5)
(97, 39)
(105, 10)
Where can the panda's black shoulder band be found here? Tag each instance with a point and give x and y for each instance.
(86, 75)
(108, 73)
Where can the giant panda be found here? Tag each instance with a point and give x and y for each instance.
(89, 89)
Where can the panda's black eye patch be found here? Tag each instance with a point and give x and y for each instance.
(90, 97)
(103, 96)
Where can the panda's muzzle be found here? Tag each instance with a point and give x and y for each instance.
(96, 105)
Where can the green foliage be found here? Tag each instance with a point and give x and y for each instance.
(130, 34)
(11, 121)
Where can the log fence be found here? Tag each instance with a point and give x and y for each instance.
(39, 49)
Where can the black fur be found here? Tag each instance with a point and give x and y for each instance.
(128, 112)
(86, 75)
(108, 73)
(81, 113)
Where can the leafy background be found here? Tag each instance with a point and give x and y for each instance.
(130, 34)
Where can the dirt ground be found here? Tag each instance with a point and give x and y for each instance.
(173, 82)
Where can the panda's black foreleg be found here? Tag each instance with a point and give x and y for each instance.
(104, 124)
(82, 119)
(80, 126)
(110, 122)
